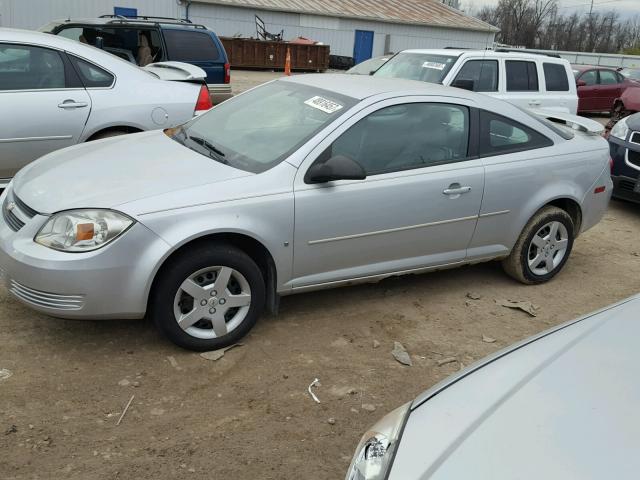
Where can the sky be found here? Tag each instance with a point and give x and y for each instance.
(627, 8)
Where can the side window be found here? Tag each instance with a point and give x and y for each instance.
(607, 77)
(406, 136)
(555, 76)
(25, 67)
(589, 77)
(521, 76)
(73, 33)
(500, 135)
(483, 73)
(190, 46)
(91, 75)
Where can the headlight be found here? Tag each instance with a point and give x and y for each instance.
(82, 230)
(620, 130)
(377, 447)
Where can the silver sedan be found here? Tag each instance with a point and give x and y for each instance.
(304, 183)
(55, 92)
(561, 405)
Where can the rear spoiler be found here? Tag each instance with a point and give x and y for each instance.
(581, 124)
(176, 71)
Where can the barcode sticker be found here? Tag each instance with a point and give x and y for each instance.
(323, 104)
(434, 65)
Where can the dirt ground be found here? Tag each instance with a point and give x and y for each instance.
(248, 415)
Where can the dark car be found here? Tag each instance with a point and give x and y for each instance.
(624, 142)
(145, 40)
(599, 87)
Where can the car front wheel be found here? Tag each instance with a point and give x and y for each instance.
(543, 247)
(208, 297)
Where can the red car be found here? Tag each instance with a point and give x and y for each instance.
(599, 87)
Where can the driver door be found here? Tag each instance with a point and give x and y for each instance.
(417, 208)
(45, 111)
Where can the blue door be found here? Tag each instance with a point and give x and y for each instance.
(125, 12)
(363, 46)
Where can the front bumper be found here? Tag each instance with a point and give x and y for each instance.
(111, 282)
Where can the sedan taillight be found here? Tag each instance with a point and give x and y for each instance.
(204, 100)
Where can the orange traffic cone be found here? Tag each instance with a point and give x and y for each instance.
(287, 63)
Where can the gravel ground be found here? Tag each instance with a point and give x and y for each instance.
(248, 415)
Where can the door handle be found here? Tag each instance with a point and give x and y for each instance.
(72, 104)
(456, 189)
(535, 103)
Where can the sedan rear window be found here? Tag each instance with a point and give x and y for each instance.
(260, 128)
(190, 46)
(424, 67)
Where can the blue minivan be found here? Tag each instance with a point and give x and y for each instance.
(144, 40)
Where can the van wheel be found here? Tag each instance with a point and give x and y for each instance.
(543, 247)
(208, 297)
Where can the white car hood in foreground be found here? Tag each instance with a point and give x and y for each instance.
(110, 172)
(563, 407)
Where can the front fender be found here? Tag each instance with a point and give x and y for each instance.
(267, 220)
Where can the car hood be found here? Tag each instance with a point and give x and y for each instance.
(562, 406)
(114, 171)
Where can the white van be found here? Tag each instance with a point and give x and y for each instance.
(528, 80)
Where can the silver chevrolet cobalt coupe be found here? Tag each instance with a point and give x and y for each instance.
(304, 183)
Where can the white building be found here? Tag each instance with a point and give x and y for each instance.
(358, 28)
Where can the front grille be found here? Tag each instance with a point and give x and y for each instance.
(635, 137)
(26, 209)
(626, 185)
(12, 220)
(634, 158)
(15, 212)
(39, 298)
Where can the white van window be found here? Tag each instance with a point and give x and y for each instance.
(555, 76)
(521, 76)
(483, 73)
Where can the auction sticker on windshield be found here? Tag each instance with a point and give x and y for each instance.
(434, 65)
(323, 104)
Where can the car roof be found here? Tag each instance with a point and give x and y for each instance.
(592, 67)
(363, 86)
(115, 21)
(93, 54)
(455, 52)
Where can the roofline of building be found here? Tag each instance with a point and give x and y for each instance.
(489, 28)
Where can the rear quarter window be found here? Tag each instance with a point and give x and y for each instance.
(555, 76)
(190, 46)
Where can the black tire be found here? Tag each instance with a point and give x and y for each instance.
(108, 134)
(516, 264)
(182, 267)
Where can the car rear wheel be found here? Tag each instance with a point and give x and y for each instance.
(542, 248)
(108, 134)
(208, 298)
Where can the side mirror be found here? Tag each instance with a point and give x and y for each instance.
(464, 84)
(99, 43)
(336, 168)
(581, 83)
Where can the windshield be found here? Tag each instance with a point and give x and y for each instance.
(425, 67)
(260, 128)
(631, 73)
(368, 66)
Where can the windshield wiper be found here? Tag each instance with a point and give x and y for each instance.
(210, 147)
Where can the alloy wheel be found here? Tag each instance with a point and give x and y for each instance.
(548, 248)
(212, 302)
